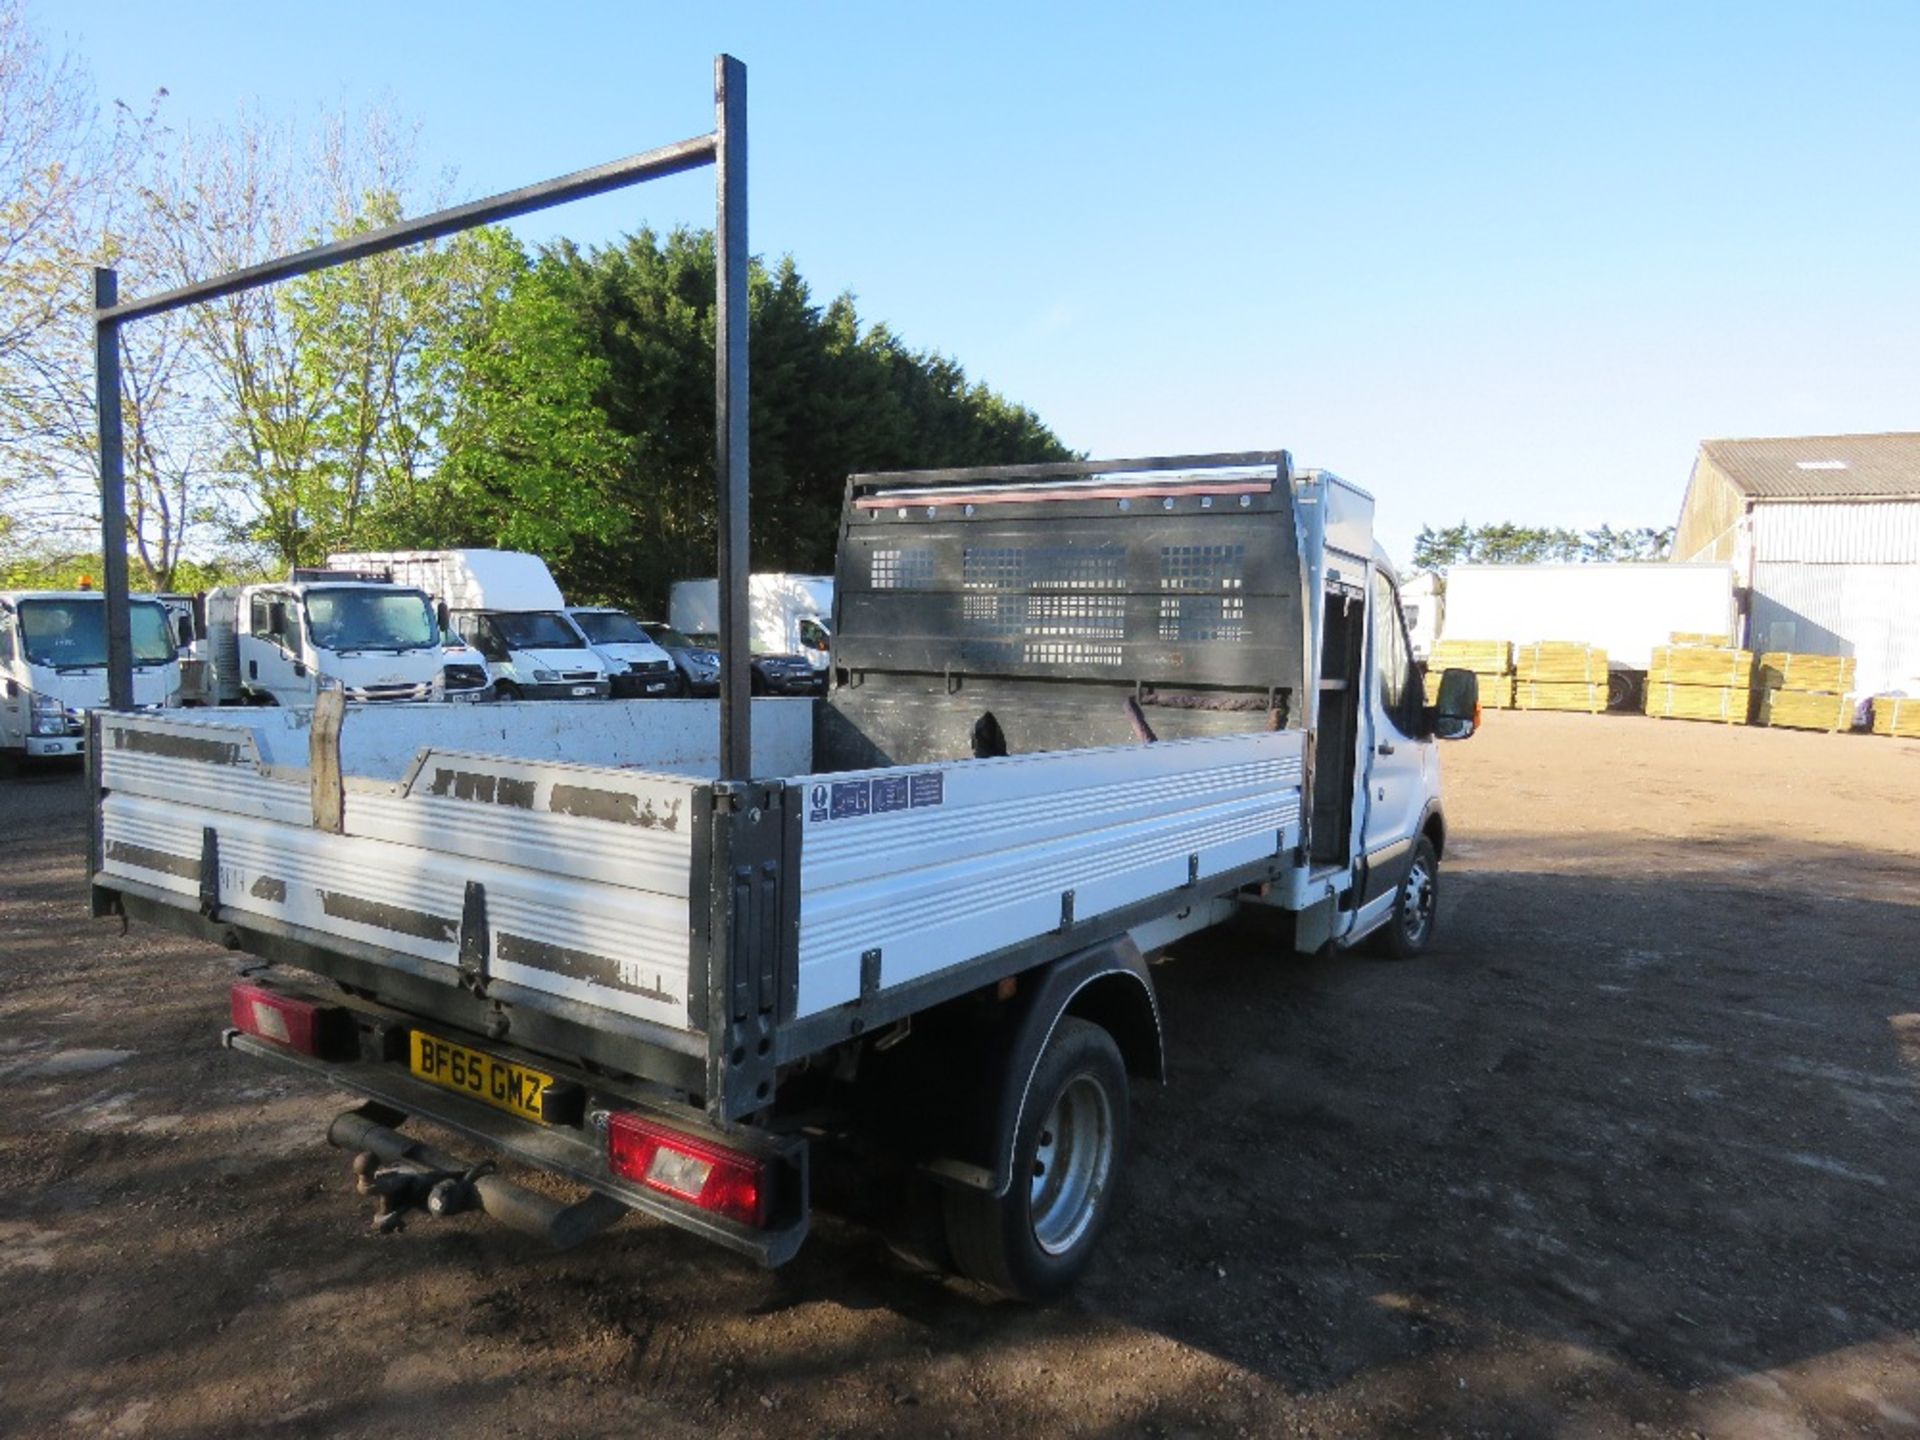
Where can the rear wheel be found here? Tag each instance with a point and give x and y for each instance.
(1409, 930)
(1033, 1242)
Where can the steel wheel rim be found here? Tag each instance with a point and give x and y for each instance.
(1072, 1163)
(1417, 914)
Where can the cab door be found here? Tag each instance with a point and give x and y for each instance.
(1396, 755)
(13, 693)
(270, 662)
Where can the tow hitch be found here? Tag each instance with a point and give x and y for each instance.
(408, 1184)
(406, 1175)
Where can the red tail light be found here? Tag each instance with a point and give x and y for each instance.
(696, 1171)
(324, 1031)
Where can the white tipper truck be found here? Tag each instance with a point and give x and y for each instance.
(505, 604)
(53, 667)
(1078, 712)
(281, 642)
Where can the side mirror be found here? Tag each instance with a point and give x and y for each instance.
(441, 615)
(277, 619)
(1456, 715)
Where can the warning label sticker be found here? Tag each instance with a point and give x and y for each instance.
(850, 799)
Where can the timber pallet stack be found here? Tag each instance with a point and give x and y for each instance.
(1560, 675)
(1805, 692)
(1491, 660)
(1897, 715)
(1689, 681)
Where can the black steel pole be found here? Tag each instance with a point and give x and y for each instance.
(113, 490)
(649, 165)
(730, 414)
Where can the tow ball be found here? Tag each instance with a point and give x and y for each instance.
(402, 1187)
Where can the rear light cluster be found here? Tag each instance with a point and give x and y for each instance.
(699, 1172)
(323, 1031)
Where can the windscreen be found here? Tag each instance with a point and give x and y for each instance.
(668, 636)
(354, 619)
(536, 630)
(72, 633)
(610, 627)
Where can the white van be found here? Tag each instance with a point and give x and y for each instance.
(505, 605)
(278, 644)
(786, 614)
(638, 668)
(53, 666)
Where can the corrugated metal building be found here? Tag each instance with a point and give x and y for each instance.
(1823, 532)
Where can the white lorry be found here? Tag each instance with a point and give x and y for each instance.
(637, 668)
(505, 605)
(1078, 711)
(788, 614)
(53, 667)
(1626, 608)
(280, 643)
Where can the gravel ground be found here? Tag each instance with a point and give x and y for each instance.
(1630, 1153)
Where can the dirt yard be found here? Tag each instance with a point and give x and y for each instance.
(1633, 1153)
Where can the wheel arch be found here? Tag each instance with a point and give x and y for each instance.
(1433, 825)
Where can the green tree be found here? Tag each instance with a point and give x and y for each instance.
(1508, 544)
(584, 418)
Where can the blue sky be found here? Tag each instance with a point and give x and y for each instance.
(1500, 262)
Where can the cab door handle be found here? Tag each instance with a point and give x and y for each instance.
(1386, 748)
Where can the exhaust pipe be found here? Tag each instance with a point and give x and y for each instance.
(560, 1226)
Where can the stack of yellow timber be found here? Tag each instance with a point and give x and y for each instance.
(1823, 674)
(1491, 660)
(1700, 637)
(1690, 681)
(1805, 692)
(1560, 675)
(1897, 715)
(1728, 704)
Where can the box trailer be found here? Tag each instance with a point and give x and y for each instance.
(1624, 608)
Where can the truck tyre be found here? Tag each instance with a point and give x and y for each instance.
(506, 690)
(1033, 1242)
(1409, 929)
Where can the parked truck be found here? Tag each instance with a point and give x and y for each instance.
(282, 642)
(505, 605)
(788, 614)
(1078, 712)
(1625, 608)
(53, 667)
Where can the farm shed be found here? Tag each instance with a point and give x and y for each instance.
(1823, 532)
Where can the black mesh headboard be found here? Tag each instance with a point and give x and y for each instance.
(1160, 578)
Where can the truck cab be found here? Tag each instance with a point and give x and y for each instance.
(505, 604)
(53, 666)
(278, 644)
(637, 668)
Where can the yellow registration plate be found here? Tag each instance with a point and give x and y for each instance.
(513, 1088)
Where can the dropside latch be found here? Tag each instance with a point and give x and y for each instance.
(475, 940)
